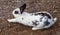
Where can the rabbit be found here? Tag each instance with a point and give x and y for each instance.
(37, 20)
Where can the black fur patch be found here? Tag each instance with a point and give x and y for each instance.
(41, 19)
(35, 23)
(46, 23)
(44, 14)
(22, 18)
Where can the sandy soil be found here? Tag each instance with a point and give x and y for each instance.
(7, 6)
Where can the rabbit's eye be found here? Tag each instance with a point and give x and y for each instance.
(16, 12)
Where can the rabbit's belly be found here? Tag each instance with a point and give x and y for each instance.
(28, 23)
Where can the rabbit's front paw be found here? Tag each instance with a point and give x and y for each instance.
(9, 20)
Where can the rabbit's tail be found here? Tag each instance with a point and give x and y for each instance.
(55, 19)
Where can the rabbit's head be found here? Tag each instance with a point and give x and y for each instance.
(18, 11)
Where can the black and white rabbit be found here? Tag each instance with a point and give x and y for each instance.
(38, 20)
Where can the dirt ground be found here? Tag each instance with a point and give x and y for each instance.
(7, 6)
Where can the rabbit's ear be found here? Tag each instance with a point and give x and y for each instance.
(22, 8)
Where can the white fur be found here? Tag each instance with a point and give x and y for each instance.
(28, 18)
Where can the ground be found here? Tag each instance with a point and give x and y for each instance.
(7, 6)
